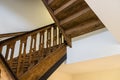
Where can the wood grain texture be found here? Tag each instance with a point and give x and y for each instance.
(40, 69)
(70, 14)
(6, 72)
(11, 34)
(67, 38)
(23, 61)
(84, 28)
(54, 4)
(69, 9)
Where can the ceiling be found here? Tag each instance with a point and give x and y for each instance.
(108, 12)
(22, 15)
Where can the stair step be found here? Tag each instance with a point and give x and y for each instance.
(87, 26)
(77, 18)
(69, 9)
(54, 4)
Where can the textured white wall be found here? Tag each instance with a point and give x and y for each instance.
(94, 46)
(109, 13)
(22, 15)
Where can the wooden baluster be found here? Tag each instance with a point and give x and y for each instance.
(54, 36)
(19, 58)
(0, 49)
(41, 43)
(34, 47)
(7, 52)
(31, 51)
(12, 52)
(48, 41)
(63, 39)
(49, 38)
(60, 37)
(24, 52)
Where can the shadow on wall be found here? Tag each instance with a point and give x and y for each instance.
(23, 14)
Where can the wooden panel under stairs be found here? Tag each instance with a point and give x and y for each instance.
(69, 14)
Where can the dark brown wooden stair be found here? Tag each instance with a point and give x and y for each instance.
(47, 50)
(36, 58)
(43, 68)
(69, 14)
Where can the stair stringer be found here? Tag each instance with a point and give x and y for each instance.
(5, 71)
(45, 65)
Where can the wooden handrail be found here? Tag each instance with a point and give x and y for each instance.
(12, 34)
(28, 33)
(28, 43)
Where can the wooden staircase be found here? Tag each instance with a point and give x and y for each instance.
(74, 17)
(36, 54)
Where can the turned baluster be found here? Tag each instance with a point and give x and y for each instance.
(60, 37)
(7, 52)
(30, 54)
(41, 46)
(0, 49)
(34, 44)
(54, 36)
(24, 53)
(12, 47)
(32, 47)
(19, 58)
(48, 41)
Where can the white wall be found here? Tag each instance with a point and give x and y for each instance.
(99, 75)
(109, 13)
(60, 76)
(22, 15)
(96, 45)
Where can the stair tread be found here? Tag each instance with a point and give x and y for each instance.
(70, 9)
(54, 4)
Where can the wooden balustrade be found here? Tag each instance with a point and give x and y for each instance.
(25, 45)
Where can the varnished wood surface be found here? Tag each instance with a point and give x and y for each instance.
(72, 13)
(69, 9)
(49, 38)
(11, 34)
(67, 38)
(84, 28)
(54, 4)
(5, 71)
(44, 65)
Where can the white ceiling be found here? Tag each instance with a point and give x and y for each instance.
(109, 13)
(22, 15)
